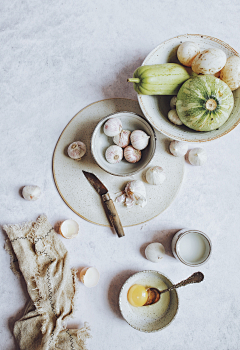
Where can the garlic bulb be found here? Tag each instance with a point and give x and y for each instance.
(136, 192)
(122, 139)
(209, 61)
(186, 52)
(31, 193)
(89, 276)
(155, 175)
(129, 202)
(173, 117)
(121, 198)
(112, 127)
(173, 102)
(69, 229)
(76, 150)
(131, 154)
(139, 139)
(230, 73)
(155, 252)
(197, 156)
(178, 148)
(114, 154)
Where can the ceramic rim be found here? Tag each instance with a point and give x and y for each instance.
(176, 248)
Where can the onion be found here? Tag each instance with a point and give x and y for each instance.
(230, 73)
(209, 61)
(186, 52)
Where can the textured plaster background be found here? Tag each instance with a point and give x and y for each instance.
(56, 58)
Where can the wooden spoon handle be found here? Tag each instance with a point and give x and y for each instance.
(113, 215)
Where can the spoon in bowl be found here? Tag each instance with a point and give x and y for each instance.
(154, 294)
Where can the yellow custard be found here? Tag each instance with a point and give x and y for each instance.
(137, 295)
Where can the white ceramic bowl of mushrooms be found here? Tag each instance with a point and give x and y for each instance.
(156, 108)
(116, 154)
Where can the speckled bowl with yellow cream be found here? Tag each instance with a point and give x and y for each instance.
(151, 318)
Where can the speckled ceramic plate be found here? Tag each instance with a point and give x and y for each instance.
(156, 108)
(151, 318)
(80, 196)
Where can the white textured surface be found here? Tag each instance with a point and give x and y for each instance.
(56, 58)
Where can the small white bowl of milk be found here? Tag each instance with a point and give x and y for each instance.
(191, 247)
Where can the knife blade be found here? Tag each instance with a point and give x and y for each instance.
(107, 201)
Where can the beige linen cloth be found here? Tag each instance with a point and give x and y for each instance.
(39, 255)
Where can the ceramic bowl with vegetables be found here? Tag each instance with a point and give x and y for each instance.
(123, 143)
(187, 89)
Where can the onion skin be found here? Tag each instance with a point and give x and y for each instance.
(230, 73)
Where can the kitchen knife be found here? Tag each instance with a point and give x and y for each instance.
(108, 203)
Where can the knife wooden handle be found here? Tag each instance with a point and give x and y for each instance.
(113, 215)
